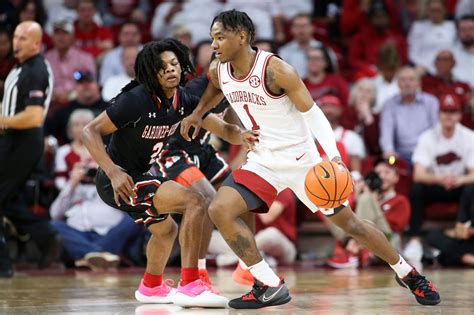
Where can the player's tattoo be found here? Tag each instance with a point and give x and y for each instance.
(270, 82)
(241, 246)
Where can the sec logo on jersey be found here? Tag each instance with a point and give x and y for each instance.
(254, 81)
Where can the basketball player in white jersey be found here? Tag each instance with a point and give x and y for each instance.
(268, 96)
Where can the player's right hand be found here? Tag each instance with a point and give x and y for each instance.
(123, 186)
(194, 120)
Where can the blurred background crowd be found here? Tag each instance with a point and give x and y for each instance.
(394, 78)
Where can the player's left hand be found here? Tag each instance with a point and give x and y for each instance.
(249, 137)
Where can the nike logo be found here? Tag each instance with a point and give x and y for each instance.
(326, 173)
(266, 299)
(299, 157)
(225, 82)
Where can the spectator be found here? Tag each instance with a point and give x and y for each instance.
(117, 11)
(364, 46)
(65, 59)
(170, 14)
(64, 10)
(290, 9)
(355, 15)
(464, 50)
(360, 116)
(444, 82)
(112, 65)
(7, 61)
(427, 37)
(321, 78)
(93, 233)
(378, 202)
(266, 45)
(33, 10)
(443, 169)
(388, 64)
(87, 97)
(464, 7)
(89, 36)
(114, 84)
(275, 235)
(353, 144)
(296, 51)
(406, 115)
(203, 56)
(456, 245)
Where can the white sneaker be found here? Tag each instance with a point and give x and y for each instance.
(413, 251)
(161, 294)
(198, 294)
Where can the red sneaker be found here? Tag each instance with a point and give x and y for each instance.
(242, 276)
(345, 260)
(204, 276)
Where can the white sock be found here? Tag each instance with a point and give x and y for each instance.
(202, 264)
(402, 268)
(262, 272)
(243, 265)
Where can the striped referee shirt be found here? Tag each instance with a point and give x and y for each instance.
(28, 83)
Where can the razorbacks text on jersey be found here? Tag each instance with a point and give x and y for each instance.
(144, 124)
(280, 124)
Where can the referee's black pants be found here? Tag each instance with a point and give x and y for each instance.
(20, 152)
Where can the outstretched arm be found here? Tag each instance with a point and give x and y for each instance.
(206, 103)
(282, 76)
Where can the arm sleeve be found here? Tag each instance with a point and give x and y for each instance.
(122, 112)
(321, 130)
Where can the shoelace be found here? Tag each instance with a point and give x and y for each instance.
(420, 281)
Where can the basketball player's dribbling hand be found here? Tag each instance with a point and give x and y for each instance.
(123, 186)
(194, 120)
(249, 137)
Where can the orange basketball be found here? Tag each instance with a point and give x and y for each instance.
(328, 184)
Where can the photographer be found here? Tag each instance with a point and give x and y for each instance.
(94, 234)
(378, 202)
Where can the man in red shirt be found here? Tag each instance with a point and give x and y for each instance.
(378, 202)
(444, 82)
(365, 45)
(89, 36)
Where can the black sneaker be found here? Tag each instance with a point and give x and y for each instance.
(425, 292)
(263, 295)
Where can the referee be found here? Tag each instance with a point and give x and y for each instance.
(27, 93)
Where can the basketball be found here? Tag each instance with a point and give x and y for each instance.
(328, 184)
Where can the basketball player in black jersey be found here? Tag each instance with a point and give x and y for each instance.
(141, 119)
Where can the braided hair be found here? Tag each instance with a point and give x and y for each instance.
(149, 63)
(236, 21)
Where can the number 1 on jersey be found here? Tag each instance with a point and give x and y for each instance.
(252, 120)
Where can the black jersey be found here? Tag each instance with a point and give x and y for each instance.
(177, 142)
(144, 125)
(28, 83)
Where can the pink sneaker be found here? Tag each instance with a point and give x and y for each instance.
(198, 294)
(161, 294)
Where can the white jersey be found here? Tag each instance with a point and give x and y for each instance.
(280, 124)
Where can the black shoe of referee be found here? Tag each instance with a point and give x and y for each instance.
(262, 295)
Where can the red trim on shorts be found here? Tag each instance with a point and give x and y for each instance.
(256, 184)
(189, 176)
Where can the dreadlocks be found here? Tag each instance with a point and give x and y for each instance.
(149, 63)
(235, 21)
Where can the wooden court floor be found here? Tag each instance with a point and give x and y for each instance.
(314, 291)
